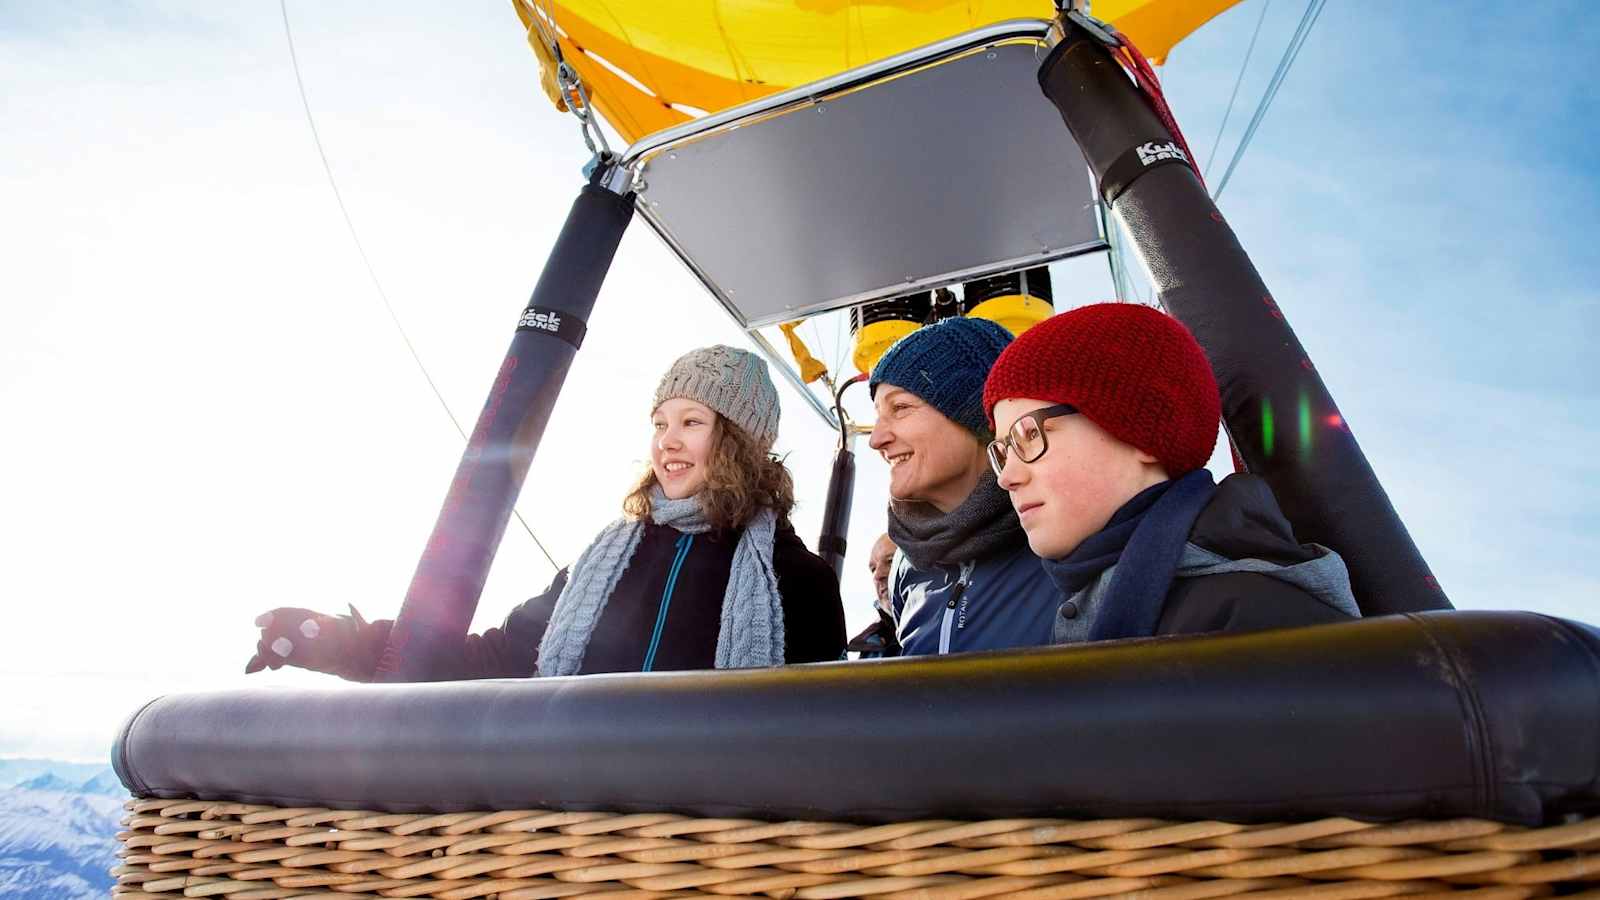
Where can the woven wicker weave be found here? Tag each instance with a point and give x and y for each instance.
(179, 848)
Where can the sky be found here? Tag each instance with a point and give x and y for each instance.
(207, 411)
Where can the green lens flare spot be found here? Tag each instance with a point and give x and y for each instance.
(1268, 430)
(1305, 423)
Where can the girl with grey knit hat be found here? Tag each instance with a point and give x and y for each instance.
(703, 570)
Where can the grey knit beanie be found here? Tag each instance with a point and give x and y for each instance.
(732, 382)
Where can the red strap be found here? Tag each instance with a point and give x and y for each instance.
(1139, 67)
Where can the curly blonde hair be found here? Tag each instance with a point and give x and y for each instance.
(741, 480)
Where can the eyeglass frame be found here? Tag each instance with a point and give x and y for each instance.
(1000, 445)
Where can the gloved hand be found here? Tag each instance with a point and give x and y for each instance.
(346, 646)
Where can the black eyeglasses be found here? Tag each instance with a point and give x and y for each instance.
(1026, 436)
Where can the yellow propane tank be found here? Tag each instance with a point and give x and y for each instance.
(1015, 301)
(875, 326)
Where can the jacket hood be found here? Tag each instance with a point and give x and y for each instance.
(1243, 521)
(1243, 530)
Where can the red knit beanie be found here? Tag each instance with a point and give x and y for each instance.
(1134, 371)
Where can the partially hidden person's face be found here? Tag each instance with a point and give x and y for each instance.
(1073, 490)
(931, 458)
(680, 450)
(879, 563)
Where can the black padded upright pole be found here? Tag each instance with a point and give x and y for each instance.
(833, 541)
(1277, 410)
(449, 578)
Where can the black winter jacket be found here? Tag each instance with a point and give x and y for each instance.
(876, 641)
(1243, 521)
(689, 617)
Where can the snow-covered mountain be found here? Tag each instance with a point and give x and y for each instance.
(106, 784)
(58, 831)
(49, 781)
(16, 770)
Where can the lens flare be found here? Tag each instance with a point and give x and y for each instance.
(1268, 432)
(1305, 423)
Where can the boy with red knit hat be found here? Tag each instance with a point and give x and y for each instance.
(1105, 417)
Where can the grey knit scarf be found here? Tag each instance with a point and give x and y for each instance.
(751, 631)
(983, 524)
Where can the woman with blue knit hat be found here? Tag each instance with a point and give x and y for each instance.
(964, 578)
(703, 570)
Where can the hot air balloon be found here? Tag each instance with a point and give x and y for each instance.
(868, 160)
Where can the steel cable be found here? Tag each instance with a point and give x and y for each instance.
(367, 263)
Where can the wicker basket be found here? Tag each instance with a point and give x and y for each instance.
(187, 848)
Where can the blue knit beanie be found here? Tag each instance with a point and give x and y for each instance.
(945, 364)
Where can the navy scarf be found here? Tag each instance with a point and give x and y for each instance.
(1144, 540)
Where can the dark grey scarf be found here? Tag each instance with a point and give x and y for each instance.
(983, 524)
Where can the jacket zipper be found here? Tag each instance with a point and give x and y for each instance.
(666, 600)
(950, 607)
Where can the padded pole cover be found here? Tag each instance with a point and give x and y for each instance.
(449, 578)
(1277, 410)
(1435, 715)
(834, 540)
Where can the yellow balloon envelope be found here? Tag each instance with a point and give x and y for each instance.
(652, 65)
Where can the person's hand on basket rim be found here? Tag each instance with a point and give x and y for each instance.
(346, 646)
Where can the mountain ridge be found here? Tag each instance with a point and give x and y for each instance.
(16, 770)
(58, 826)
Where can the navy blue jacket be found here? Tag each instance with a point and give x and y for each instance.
(1004, 600)
(665, 611)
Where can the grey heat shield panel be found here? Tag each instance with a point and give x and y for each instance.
(939, 165)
